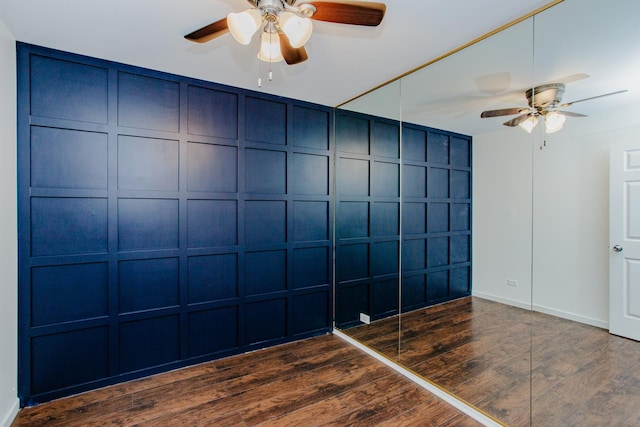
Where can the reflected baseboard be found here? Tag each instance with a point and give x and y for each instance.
(546, 310)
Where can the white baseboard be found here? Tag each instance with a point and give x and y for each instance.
(520, 304)
(437, 391)
(571, 316)
(8, 418)
(546, 310)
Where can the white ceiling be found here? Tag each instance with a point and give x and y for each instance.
(591, 45)
(344, 60)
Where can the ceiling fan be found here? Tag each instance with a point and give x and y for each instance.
(544, 101)
(285, 26)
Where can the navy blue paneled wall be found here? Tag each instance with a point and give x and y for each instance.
(163, 221)
(427, 218)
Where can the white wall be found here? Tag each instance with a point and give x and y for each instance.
(8, 229)
(502, 216)
(570, 215)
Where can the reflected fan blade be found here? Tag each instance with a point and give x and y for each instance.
(570, 114)
(291, 54)
(566, 104)
(209, 32)
(503, 112)
(516, 121)
(354, 13)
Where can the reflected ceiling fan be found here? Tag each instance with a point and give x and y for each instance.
(544, 102)
(286, 26)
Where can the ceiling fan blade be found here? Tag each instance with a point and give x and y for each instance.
(209, 32)
(566, 104)
(517, 120)
(291, 54)
(350, 12)
(570, 114)
(503, 112)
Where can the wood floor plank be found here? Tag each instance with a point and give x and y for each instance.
(322, 380)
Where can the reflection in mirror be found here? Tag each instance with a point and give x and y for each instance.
(581, 374)
(531, 346)
(367, 220)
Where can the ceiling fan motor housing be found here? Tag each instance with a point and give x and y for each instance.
(545, 96)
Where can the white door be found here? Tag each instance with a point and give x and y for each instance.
(624, 240)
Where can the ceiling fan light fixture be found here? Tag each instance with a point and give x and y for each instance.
(244, 25)
(270, 47)
(529, 124)
(297, 28)
(554, 121)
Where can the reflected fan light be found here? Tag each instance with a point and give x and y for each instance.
(529, 124)
(554, 121)
(297, 28)
(270, 47)
(244, 25)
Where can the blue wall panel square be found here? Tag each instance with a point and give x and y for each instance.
(350, 302)
(460, 217)
(266, 121)
(82, 87)
(414, 291)
(265, 272)
(212, 277)
(147, 164)
(414, 219)
(138, 230)
(437, 148)
(460, 283)
(437, 251)
(385, 258)
(265, 222)
(65, 293)
(352, 220)
(212, 168)
(310, 267)
(310, 221)
(211, 331)
(265, 171)
(149, 342)
(62, 158)
(460, 151)
(413, 254)
(310, 174)
(148, 103)
(414, 181)
(353, 177)
(460, 184)
(310, 128)
(385, 140)
(148, 284)
(61, 226)
(384, 297)
(212, 223)
(352, 134)
(266, 320)
(438, 183)
(212, 113)
(310, 312)
(437, 285)
(437, 217)
(66, 359)
(414, 144)
(460, 249)
(353, 262)
(386, 180)
(385, 219)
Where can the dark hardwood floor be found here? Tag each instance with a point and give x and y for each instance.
(483, 352)
(319, 381)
